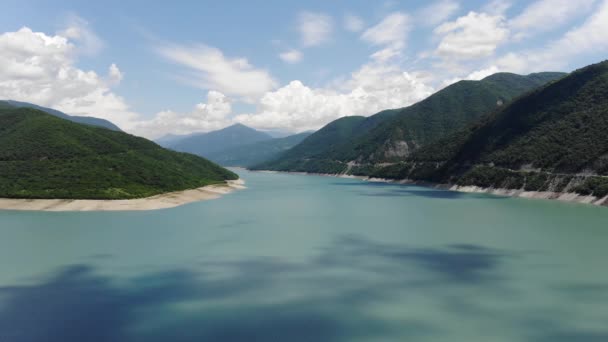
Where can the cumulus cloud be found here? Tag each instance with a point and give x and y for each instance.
(78, 30)
(372, 88)
(472, 36)
(40, 68)
(353, 23)
(212, 115)
(437, 12)
(391, 33)
(291, 56)
(212, 70)
(546, 15)
(591, 37)
(315, 28)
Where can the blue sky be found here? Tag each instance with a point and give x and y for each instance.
(179, 67)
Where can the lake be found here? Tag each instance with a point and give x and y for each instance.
(309, 258)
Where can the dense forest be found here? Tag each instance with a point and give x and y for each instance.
(553, 139)
(43, 156)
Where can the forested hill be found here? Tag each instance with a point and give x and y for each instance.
(392, 135)
(43, 156)
(553, 139)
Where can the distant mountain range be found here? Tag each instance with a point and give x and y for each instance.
(236, 145)
(44, 156)
(392, 135)
(87, 120)
(203, 144)
(252, 154)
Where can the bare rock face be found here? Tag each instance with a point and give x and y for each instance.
(397, 149)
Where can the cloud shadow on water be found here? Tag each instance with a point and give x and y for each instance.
(247, 302)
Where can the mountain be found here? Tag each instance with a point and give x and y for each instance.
(205, 144)
(44, 156)
(392, 135)
(552, 139)
(310, 154)
(87, 120)
(172, 139)
(258, 152)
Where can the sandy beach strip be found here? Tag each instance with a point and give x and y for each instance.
(162, 201)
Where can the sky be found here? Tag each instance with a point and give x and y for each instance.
(178, 67)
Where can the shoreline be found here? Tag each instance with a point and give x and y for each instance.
(545, 195)
(156, 202)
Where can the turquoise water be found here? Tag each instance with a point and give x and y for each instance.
(307, 258)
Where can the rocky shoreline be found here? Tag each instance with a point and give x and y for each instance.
(546, 195)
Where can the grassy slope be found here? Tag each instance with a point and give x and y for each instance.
(47, 157)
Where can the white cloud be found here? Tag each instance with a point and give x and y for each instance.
(472, 36)
(437, 12)
(204, 117)
(78, 30)
(483, 73)
(474, 76)
(291, 56)
(374, 87)
(591, 37)
(353, 23)
(115, 76)
(315, 28)
(497, 7)
(213, 70)
(546, 15)
(38, 68)
(391, 33)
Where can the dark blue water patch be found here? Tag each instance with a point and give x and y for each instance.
(79, 305)
(430, 193)
(458, 263)
(361, 183)
(401, 190)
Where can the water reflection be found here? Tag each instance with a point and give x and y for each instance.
(400, 190)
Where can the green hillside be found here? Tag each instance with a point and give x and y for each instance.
(552, 139)
(43, 156)
(306, 156)
(391, 136)
(252, 154)
(87, 120)
(206, 144)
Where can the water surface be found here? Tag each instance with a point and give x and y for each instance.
(308, 258)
